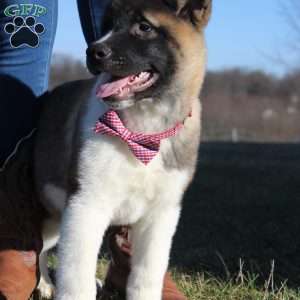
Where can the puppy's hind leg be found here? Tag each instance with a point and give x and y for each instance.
(45, 287)
(50, 239)
(151, 242)
(84, 223)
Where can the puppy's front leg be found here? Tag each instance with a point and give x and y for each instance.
(83, 227)
(151, 241)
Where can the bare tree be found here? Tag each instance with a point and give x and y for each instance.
(290, 11)
(293, 18)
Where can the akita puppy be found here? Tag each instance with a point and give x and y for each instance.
(126, 160)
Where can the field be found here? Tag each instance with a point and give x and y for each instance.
(206, 287)
(196, 286)
(238, 237)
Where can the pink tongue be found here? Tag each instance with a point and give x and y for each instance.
(112, 88)
(123, 87)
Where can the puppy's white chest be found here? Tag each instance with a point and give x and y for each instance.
(141, 194)
(132, 188)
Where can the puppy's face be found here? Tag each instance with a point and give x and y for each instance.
(149, 44)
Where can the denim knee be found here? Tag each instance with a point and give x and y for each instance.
(27, 34)
(91, 16)
(27, 31)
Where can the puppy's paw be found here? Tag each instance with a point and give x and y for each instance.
(46, 289)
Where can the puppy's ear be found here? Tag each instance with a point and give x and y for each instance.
(196, 11)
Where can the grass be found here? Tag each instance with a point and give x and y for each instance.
(200, 286)
(205, 287)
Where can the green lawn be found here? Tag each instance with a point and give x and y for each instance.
(199, 286)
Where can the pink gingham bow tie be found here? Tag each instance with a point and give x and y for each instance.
(144, 146)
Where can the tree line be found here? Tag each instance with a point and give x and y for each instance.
(238, 105)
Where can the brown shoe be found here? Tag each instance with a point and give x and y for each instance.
(170, 291)
(17, 274)
(116, 279)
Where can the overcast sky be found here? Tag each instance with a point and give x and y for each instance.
(242, 33)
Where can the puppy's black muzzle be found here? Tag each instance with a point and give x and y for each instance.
(99, 55)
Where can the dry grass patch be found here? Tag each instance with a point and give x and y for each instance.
(206, 287)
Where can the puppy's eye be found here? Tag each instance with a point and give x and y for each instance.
(145, 27)
(143, 30)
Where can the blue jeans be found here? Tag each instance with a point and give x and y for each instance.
(27, 32)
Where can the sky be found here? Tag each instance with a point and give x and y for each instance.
(248, 34)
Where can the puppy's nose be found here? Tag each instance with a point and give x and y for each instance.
(99, 52)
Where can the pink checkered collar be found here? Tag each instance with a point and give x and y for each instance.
(144, 146)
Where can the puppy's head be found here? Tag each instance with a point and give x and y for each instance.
(151, 44)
